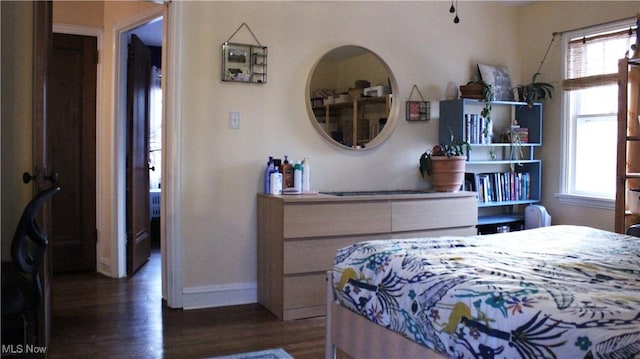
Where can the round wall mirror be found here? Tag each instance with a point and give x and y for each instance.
(350, 98)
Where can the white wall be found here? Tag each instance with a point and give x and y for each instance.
(222, 168)
(536, 24)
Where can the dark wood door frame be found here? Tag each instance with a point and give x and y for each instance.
(42, 36)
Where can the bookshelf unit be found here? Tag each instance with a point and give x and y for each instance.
(505, 174)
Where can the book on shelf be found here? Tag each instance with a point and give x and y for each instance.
(499, 186)
(476, 129)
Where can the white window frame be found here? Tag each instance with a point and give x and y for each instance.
(568, 132)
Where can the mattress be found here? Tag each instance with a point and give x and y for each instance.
(552, 292)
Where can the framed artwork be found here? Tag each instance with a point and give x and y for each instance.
(244, 63)
(418, 110)
(499, 79)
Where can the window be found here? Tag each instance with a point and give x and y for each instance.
(591, 104)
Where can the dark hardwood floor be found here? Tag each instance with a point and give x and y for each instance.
(99, 317)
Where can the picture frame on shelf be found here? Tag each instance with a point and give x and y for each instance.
(418, 111)
(499, 79)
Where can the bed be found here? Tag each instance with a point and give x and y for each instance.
(552, 292)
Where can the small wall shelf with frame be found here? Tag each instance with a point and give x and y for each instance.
(244, 63)
(259, 64)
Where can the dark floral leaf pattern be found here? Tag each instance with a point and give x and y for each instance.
(623, 346)
(554, 292)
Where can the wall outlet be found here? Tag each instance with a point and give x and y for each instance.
(234, 120)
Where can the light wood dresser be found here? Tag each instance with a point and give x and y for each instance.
(298, 236)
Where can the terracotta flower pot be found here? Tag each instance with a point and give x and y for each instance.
(473, 90)
(447, 173)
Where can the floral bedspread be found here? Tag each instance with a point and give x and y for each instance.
(552, 292)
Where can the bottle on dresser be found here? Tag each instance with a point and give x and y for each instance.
(267, 175)
(306, 169)
(286, 169)
(276, 182)
(297, 177)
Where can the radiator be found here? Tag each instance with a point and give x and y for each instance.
(154, 203)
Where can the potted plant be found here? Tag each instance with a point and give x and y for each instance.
(534, 91)
(445, 164)
(473, 89)
(480, 90)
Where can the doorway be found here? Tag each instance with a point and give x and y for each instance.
(110, 213)
(110, 171)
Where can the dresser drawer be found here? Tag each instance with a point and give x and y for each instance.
(455, 232)
(415, 215)
(316, 255)
(304, 291)
(336, 219)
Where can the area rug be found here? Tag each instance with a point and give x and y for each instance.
(263, 354)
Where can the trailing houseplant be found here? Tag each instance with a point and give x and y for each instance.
(445, 164)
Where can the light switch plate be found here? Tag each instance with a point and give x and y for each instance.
(234, 120)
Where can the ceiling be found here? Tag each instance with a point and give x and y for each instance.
(150, 33)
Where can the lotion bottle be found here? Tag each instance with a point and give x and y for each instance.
(306, 186)
(297, 177)
(276, 182)
(287, 173)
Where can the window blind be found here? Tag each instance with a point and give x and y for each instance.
(593, 60)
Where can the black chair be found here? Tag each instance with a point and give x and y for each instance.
(21, 288)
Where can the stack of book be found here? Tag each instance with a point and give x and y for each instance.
(499, 186)
(515, 134)
(476, 129)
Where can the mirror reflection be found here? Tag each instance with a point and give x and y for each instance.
(350, 91)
